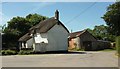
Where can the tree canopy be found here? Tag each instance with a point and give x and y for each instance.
(112, 18)
(101, 33)
(17, 27)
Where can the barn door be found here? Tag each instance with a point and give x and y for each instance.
(87, 45)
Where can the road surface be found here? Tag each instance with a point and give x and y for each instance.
(80, 59)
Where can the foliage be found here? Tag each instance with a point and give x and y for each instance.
(101, 33)
(112, 18)
(25, 52)
(9, 40)
(76, 49)
(118, 45)
(8, 52)
(17, 27)
(35, 19)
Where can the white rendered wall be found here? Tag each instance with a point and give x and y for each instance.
(39, 38)
(29, 43)
(57, 39)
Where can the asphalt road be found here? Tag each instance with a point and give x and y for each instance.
(80, 59)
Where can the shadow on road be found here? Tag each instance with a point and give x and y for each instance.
(58, 52)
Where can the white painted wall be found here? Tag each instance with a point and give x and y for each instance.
(23, 45)
(57, 38)
(29, 43)
(39, 38)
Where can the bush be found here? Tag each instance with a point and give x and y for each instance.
(118, 45)
(25, 52)
(8, 52)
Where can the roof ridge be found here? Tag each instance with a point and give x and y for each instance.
(40, 23)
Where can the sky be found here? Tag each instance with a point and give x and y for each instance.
(75, 16)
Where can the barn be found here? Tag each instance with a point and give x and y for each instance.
(48, 35)
(86, 41)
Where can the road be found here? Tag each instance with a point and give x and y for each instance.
(85, 59)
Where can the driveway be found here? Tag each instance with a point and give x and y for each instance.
(78, 59)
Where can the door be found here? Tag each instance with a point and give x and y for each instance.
(87, 45)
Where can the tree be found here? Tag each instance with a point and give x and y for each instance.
(17, 27)
(35, 18)
(101, 33)
(112, 18)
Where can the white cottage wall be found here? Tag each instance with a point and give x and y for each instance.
(39, 38)
(29, 43)
(57, 38)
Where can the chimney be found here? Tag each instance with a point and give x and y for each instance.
(57, 14)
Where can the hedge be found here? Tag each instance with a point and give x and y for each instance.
(118, 45)
(8, 52)
(25, 52)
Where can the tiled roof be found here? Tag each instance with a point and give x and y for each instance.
(75, 34)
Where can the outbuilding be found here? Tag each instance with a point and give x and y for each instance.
(86, 41)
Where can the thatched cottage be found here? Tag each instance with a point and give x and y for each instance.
(48, 35)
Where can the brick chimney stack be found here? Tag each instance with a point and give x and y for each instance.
(57, 14)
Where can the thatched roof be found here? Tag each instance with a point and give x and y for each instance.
(43, 27)
(46, 25)
(25, 37)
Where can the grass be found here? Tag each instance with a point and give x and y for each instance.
(107, 50)
(75, 49)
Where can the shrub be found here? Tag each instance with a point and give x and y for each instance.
(2, 52)
(25, 52)
(8, 52)
(118, 45)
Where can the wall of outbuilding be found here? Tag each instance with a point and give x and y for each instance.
(98, 45)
